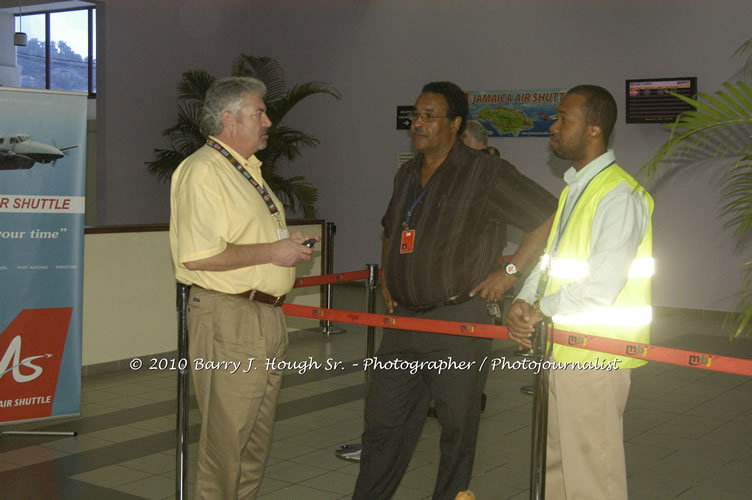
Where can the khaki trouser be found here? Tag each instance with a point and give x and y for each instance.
(585, 452)
(237, 409)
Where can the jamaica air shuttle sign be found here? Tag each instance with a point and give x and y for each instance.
(42, 178)
(515, 113)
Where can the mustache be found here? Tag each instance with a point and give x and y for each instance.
(418, 131)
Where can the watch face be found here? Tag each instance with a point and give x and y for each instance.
(511, 269)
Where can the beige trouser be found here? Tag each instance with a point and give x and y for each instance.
(585, 452)
(237, 409)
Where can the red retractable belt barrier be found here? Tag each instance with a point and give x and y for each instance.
(332, 278)
(648, 352)
(398, 322)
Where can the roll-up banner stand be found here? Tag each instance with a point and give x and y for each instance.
(42, 182)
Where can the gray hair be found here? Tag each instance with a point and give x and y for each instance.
(474, 129)
(227, 94)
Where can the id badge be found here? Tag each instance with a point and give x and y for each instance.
(407, 241)
(282, 233)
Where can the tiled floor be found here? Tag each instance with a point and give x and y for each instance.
(687, 430)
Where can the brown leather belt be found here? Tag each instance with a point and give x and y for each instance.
(264, 298)
(258, 296)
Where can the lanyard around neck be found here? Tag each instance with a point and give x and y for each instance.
(545, 276)
(411, 208)
(563, 224)
(235, 163)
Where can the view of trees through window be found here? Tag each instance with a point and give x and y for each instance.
(66, 65)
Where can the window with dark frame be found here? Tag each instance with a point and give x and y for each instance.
(61, 51)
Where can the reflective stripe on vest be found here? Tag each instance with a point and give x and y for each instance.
(572, 269)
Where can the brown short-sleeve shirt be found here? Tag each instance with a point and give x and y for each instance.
(460, 223)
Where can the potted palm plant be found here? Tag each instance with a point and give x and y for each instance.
(720, 127)
(284, 144)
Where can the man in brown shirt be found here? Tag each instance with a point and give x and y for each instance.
(443, 232)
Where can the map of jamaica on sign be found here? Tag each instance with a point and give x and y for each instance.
(515, 113)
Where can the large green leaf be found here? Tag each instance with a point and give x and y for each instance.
(719, 127)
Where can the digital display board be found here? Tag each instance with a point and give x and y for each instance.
(649, 100)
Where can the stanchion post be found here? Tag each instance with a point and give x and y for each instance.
(331, 230)
(540, 415)
(181, 455)
(352, 452)
(371, 290)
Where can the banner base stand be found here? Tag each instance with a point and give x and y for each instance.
(38, 433)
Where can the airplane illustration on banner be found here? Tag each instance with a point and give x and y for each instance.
(19, 151)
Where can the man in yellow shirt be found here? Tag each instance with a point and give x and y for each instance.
(229, 240)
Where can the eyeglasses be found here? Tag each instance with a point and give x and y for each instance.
(424, 117)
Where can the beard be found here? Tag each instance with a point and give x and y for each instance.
(567, 151)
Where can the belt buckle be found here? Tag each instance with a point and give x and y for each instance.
(277, 301)
(251, 294)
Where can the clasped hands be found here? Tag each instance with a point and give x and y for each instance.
(521, 320)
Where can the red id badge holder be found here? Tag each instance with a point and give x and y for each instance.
(407, 241)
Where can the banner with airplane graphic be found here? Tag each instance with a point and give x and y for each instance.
(42, 179)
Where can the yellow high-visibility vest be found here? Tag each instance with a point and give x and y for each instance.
(629, 317)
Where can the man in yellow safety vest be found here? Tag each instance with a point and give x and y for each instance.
(593, 279)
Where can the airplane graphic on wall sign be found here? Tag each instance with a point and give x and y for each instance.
(19, 151)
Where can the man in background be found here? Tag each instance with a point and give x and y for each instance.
(475, 135)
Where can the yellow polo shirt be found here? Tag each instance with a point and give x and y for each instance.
(213, 204)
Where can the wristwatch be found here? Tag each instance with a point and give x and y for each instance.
(511, 270)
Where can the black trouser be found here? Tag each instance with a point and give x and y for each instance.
(398, 404)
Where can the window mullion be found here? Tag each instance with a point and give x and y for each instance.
(47, 63)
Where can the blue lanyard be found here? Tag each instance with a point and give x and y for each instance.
(411, 209)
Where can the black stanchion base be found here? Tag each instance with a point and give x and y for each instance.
(349, 452)
(527, 390)
(524, 353)
(332, 330)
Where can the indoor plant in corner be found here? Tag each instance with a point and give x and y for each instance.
(720, 127)
(284, 142)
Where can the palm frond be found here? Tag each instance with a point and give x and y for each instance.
(742, 50)
(286, 143)
(266, 69)
(167, 161)
(278, 108)
(187, 126)
(719, 127)
(737, 196)
(194, 84)
(296, 193)
(743, 322)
